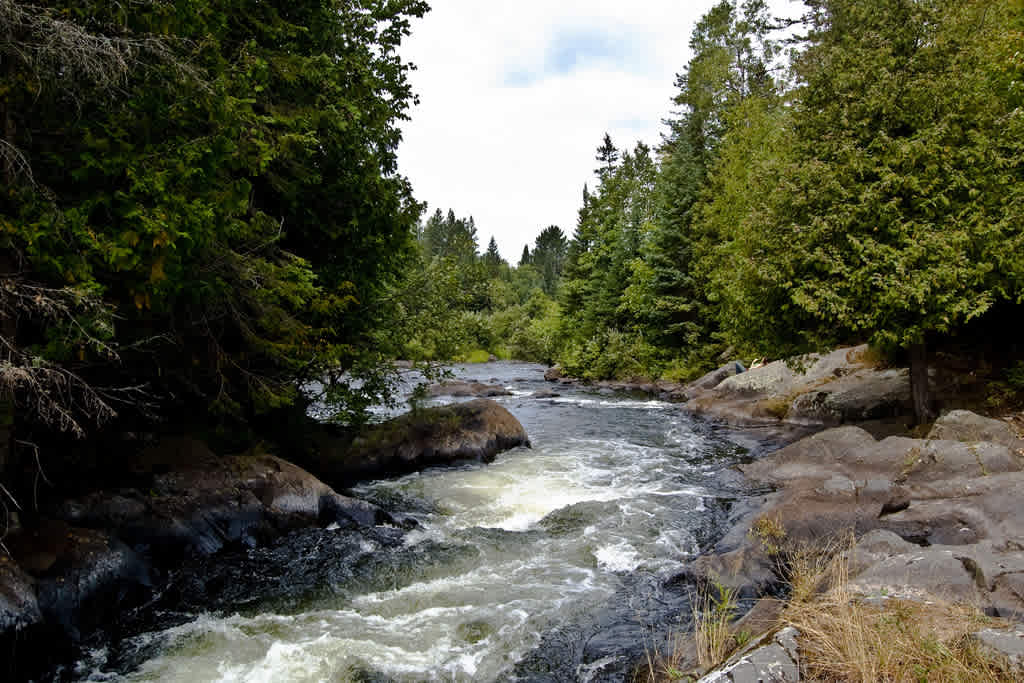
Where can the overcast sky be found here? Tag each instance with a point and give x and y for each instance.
(516, 96)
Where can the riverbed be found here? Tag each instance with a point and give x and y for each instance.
(552, 563)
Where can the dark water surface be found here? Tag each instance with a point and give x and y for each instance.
(552, 563)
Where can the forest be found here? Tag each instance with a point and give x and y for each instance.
(203, 206)
(232, 442)
(858, 181)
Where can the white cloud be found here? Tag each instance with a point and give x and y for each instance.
(516, 96)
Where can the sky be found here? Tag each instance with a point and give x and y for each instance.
(515, 98)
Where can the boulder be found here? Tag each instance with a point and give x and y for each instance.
(863, 395)
(460, 389)
(936, 517)
(839, 387)
(196, 502)
(553, 374)
(746, 570)
(961, 425)
(19, 608)
(442, 435)
(1008, 644)
(713, 378)
(82, 575)
(772, 658)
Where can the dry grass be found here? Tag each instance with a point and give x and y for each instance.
(673, 666)
(714, 608)
(844, 638)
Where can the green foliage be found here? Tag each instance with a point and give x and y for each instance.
(611, 354)
(234, 203)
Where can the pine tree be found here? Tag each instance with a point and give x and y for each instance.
(902, 214)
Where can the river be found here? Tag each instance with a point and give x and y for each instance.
(552, 563)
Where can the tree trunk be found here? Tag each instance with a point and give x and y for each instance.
(919, 384)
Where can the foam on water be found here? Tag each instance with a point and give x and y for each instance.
(620, 479)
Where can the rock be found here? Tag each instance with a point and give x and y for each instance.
(961, 425)
(874, 547)
(921, 574)
(773, 661)
(461, 389)
(82, 575)
(492, 358)
(747, 570)
(1008, 644)
(19, 608)
(553, 374)
(475, 430)
(815, 458)
(863, 395)
(546, 394)
(197, 502)
(713, 378)
(403, 364)
(937, 517)
(816, 389)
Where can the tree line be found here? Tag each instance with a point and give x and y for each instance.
(860, 181)
(202, 207)
(201, 211)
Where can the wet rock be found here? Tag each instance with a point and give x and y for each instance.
(197, 502)
(546, 394)
(553, 374)
(475, 430)
(775, 659)
(19, 607)
(468, 389)
(82, 576)
(746, 570)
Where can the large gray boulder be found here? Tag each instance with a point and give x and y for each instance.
(962, 425)
(863, 395)
(442, 435)
(1008, 644)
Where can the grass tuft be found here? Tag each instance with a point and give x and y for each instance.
(714, 608)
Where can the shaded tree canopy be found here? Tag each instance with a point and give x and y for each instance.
(218, 220)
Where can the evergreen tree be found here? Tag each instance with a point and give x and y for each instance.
(902, 215)
(219, 220)
(525, 259)
(549, 255)
(492, 258)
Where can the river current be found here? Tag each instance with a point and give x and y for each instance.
(552, 563)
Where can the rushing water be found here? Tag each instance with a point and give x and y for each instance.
(551, 562)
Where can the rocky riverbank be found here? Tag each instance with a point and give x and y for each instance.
(93, 562)
(930, 519)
